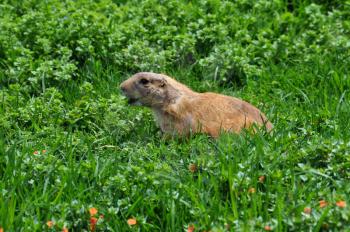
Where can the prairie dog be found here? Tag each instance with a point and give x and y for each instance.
(180, 111)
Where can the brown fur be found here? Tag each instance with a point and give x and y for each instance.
(181, 111)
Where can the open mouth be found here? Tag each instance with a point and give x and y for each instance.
(132, 101)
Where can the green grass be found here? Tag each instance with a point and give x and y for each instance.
(102, 153)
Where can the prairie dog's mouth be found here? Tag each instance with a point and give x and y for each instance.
(134, 101)
(131, 100)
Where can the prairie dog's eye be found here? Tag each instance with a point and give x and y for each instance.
(144, 81)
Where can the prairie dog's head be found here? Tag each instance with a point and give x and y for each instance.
(145, 89)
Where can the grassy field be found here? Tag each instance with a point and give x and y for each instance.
(70, 145)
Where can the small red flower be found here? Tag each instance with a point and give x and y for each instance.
(341, 204)
(251, 190)
(35, 152)
(192, 168)
(93, 211)
(64, 229)
(267, 228)
(262, 179)
(49, 224)
(307, 210)
(323, 203)
(132, 221)
(190, 228)
(93, 222)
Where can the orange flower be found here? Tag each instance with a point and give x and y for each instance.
(1, 229)
(35, 152)
(64, 229)
(267, 228)
(190, 228)
(341, 204)
(307, 210)
(93, 211)
(49, 223)
(323, 203)
(192, 168)
(132, 221)
(251, 190)
(93, 222)
(44, 151)
(262, 179)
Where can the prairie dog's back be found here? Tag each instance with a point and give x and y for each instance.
(217, 112)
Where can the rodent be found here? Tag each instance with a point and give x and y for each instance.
(181, 111)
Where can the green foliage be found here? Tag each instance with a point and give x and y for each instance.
(45, 45)
(69, 142)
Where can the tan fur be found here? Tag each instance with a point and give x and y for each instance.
(181, 111)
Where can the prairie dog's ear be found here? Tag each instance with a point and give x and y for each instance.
(163, 82)
(160, 82)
